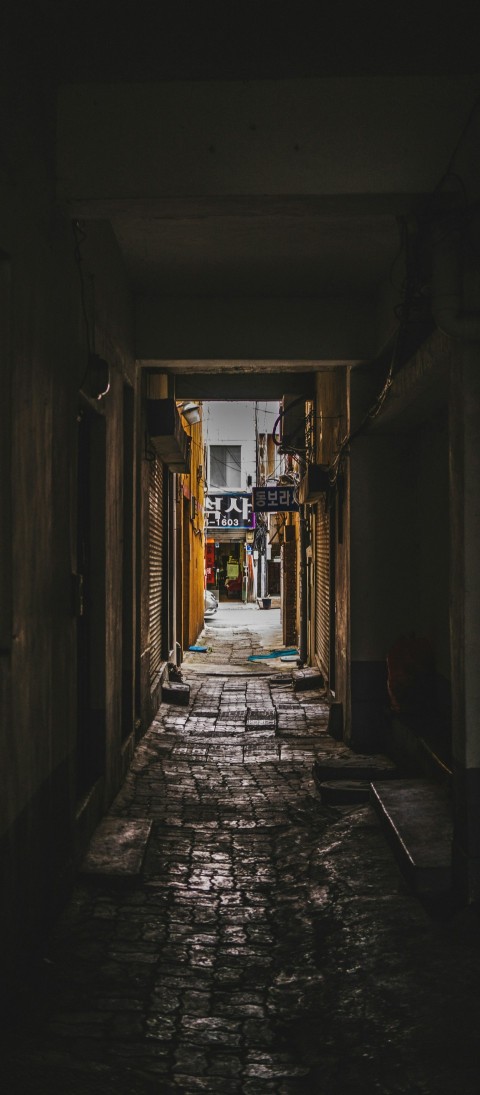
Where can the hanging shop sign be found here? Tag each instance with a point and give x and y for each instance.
(274, 499)
(229, 511)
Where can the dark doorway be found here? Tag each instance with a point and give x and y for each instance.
(229, 564)
(90, 599)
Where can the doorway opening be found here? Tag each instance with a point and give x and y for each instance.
(91, 616)
(228, 569)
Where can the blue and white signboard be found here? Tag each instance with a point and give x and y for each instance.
(274, 499)
(224, 511)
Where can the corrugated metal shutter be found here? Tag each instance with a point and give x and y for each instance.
(322, 588)
(156, 555)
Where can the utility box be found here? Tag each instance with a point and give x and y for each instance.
(315, 484)
(167, 434)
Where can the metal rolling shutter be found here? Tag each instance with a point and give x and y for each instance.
(155, 553)
(322, 588)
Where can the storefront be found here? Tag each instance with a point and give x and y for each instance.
(229, 563)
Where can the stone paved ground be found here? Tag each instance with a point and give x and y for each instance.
(269, 946)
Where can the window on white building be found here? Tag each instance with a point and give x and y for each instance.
(225, 466)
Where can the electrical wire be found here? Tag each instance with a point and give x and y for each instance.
(283, 412)
(80, 235)
(449, 173)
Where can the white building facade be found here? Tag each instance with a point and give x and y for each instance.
(231, 432)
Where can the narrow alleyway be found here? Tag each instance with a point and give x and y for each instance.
(268, 944)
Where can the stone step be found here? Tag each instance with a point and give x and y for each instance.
(176, 693)
(344, 792)
(117, 848)
(417, 817)
(349, 765)
(305, 679)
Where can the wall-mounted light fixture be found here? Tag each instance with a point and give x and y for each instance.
(190, 411)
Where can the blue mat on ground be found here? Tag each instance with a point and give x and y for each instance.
(271, 654)
(199, 649)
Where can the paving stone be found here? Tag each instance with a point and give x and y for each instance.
(211, 1085)
(190, 1060)
(268, 946)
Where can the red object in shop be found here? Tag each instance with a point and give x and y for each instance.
(233, 586)
(210, 562)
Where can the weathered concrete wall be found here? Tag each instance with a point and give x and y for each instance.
(301, 180)
(46, 362)
(45, 343)
(399, 541)
(465, 615)
(111, 310)
(252, 328)
(310, 136)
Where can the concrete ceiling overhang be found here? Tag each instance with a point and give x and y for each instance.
(145, 39)
(239, 380)
(261, 219)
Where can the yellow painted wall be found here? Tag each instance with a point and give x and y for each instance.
(193, 536)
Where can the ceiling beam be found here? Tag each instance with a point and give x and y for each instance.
(351, 135)
(172, 208)
(243, 386)
(241, 329)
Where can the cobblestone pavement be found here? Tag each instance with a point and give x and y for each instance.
(233, 635)
(269, 945)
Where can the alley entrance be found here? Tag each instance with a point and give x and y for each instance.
(239, 456)
(90, 599)
(190, 221)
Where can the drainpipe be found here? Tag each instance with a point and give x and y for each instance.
(447, 289)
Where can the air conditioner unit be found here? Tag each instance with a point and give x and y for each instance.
(167, 434)
(314, 484)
